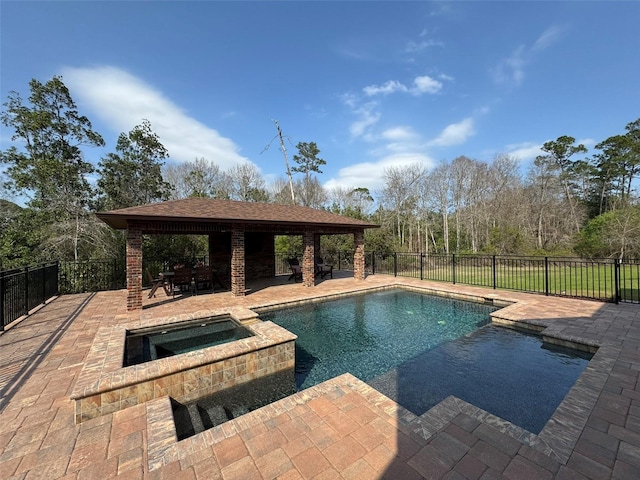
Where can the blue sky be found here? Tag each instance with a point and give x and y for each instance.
(375, 84)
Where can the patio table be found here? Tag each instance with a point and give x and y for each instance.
(168, 285)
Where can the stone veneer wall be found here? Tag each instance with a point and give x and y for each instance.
(105, 386)
(190, 384)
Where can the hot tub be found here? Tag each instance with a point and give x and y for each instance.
(152, 343)
(237, 349)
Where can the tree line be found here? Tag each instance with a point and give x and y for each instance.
(567, 203)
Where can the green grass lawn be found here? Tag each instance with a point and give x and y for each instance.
(574, 279)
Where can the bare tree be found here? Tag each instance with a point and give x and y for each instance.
(247, 184)
(351, 200)
(200, 178)
(399, 195)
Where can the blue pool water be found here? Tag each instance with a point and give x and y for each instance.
(162, 341)
(418, 349)
(369, 334)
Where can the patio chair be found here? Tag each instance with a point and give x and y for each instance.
(204, 277)
(155, 283)
(323, 269)
(182, 277)
(296, 271)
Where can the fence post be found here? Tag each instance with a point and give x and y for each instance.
(26, 290)
(616, 275)
(373, 263)
(395, 264)
(44, 283)
(495, 280)
(546, 276)
(1, 301)
(421, 266)
(453, 267)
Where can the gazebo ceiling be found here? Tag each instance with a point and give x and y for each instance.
(208, 211)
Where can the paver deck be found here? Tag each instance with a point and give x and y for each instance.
(339, 429)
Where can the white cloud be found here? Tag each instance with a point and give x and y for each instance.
(454, 134)
(524, 151)
(391, 86)
(422, 84)
(367, 117)
(122, 101)
(548, 38)
(426, 84)
(510, 70)
(401, 133)
(413, 47)
(370, 174)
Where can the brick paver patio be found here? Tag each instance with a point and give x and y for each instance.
(339, 429)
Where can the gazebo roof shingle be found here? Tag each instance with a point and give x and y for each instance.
(210, 210)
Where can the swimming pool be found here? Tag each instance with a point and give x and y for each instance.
(418, 349)
(369, 334)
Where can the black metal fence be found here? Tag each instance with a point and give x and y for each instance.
(608, 280)
(23, 289)
(92, 276)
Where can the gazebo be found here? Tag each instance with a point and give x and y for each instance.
(241, 236)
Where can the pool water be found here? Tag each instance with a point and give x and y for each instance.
(419, 349)
(168, 340)
(197, 416)
(508, 373)
(370, 334)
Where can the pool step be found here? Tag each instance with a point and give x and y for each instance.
(195, 417)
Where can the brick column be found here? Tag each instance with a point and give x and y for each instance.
(134, 267)
(308, 262)
(358, 255)
(237, 262)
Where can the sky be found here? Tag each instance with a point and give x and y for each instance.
(375, 84)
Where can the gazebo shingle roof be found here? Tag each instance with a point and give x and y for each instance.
(229, 211)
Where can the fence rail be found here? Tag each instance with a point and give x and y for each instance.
(608, 280)
(23, 289)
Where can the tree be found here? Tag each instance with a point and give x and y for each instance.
(246, 184)
(351, 202)
(279, 191)
(51, 170)
(199, 178)
(616, 167)
(544, 196)
(308, 162)
(133, 175)
(612, 234)
(437, 188)
(560, 152)
(18, 238)
(311, 192)
(400, 196)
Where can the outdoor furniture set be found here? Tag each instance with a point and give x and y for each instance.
(181, 278)
(322, 269)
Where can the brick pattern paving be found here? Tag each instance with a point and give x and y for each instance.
(340, 429)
